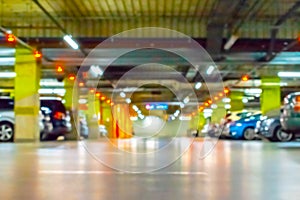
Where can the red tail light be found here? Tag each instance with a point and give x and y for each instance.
(59, 115)
(297, 108)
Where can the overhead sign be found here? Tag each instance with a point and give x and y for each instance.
(155, 106)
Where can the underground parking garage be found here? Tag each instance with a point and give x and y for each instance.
(131, 99)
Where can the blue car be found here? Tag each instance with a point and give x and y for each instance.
(243, 128)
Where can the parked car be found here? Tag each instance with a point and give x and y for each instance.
(59, 121)
(290, 116)
(242, 128)
(7, 121)
(269, 127)
(223, 128)
(55, 120)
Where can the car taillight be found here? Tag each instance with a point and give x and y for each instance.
(59, 115)
(297, 108)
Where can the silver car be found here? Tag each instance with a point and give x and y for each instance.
(7, 122)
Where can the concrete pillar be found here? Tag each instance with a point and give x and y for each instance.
(71, 104)
(92, 117)
(27, 102)
(107, 119)
(270, 98)
(236, 102)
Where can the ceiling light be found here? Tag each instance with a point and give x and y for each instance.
(214, 106)
(95, 69)
(230, 42)
(289, 74)
(198, 85)
(71, 42)
(186, 99)
(227, 106)
(51, 83)
(135, 108)
(122, 94)
(226, 100)
(245, 100)
(253, 91)
(8, 74)
(128, 100)
(210, 70)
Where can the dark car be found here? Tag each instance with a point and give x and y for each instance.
(269, 127)
(56, 121)
(290, 116)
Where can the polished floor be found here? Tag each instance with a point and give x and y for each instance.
(150, 169)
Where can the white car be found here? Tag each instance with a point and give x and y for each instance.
(7, 123)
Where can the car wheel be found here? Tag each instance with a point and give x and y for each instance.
(281, 136)
(249, 134)
(6, 132)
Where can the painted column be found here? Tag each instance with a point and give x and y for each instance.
(236, 102)
(93, 115)
(71, 104)
(27, 103)
(270, 98)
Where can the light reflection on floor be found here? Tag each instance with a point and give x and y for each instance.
(66, 170)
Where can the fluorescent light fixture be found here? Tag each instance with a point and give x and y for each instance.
(253, 91)
(289, 74)
(245, 100)
(135, 108)
(95, 69)
(227, 106)
(8, 74)
(198, 85)
(51, 82)
(230, 42)
(208, 110)
(128, 100)
(186, 100)
(214, 106)
(133, 118)
(71, 42)
(59, 91)
(122, 94)
(210, 70)
(226, 100)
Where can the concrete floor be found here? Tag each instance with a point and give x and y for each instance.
(77, 170)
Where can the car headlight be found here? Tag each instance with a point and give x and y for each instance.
(239, 124)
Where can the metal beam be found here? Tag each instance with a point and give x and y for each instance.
(271, 54)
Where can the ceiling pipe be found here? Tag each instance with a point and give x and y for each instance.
(62, 29)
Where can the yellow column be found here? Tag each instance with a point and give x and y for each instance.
(27, 103)
(236, 102)
(92, 117)
(270, 98)
(107, 119)
(71, 104)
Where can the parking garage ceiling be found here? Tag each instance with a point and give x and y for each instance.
(266, 32)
